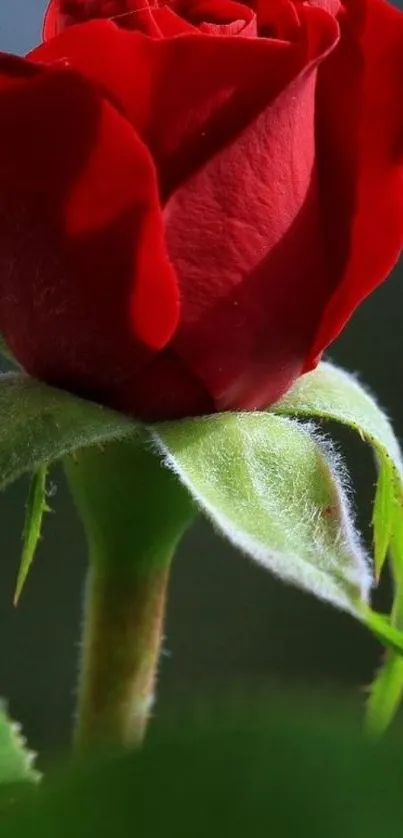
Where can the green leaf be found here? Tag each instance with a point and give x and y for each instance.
(332, 394)
(274, 489)
(39, 424)
(36, 508)
(16, 761)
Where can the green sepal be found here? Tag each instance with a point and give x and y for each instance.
(275, 489)
(36, 507)
(40, 424)
(7, 354)
(385, 694)
(386, 690)
(273, 486)
(332, 394)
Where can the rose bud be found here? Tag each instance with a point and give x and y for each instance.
(196, 196)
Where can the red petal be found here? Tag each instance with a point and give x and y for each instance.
(217, 17)
(51, 23)
(245, 236)
(86, 291)
(188, 96)
(360, 121)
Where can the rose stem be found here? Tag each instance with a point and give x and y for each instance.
(134, 513)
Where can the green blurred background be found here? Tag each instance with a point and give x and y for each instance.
(230, 625)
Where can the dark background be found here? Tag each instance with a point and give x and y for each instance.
(230, 625)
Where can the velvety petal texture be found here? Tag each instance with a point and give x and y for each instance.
(195, 196)
(360, 146)
(82, 254)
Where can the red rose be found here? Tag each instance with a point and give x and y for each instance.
(195, 197)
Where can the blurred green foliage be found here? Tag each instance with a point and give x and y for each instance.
(277, 773)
